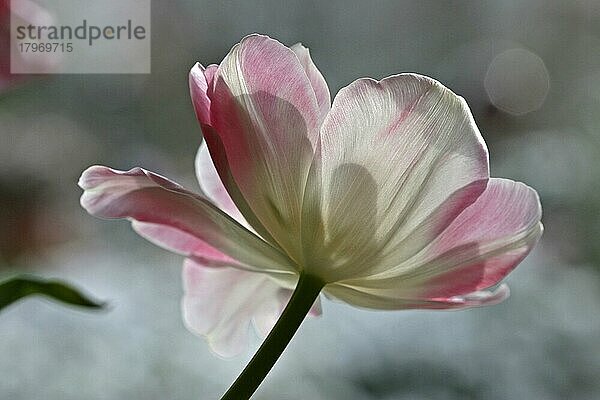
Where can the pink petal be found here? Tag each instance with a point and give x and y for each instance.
(316, 79)
(476, 251)
(212, 186)
(200, 80)
(392, 152)
(209, 74)
(222, 303)
(265, 122)
(198, 93)
(180, 242)
(488, 240)
(201, 83)
(23, 13)
(149, 198)
(221, 165)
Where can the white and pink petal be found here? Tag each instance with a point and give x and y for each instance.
(183, 243)
(475, 252)
(316, 79)
(212, 186)
(149, 198)
(264, 123)
(199, 93)
(373, 299)
(222, 303)
(392, 152)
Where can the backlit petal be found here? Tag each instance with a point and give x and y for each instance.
(316, 79)
(380, 302)
(181, 242)
(149, 198)
(391, 153)
(265, 120)
(476, 251)
(212, 186)
(198, 91)
(201, 81)
(222, 303)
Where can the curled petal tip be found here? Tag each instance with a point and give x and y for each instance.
(483, 297)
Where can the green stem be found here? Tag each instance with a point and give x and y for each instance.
(306, 292)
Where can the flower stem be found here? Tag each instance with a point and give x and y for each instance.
(306, 292)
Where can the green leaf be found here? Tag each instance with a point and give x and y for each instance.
(18, 287)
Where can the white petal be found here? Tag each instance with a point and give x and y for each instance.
(222, 303)
(391, 153)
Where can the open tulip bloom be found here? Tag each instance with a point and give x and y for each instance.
(382, 200)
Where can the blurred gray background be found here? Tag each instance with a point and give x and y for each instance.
(530, 70)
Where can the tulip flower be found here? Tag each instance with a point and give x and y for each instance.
(25, 12)
(381, 199)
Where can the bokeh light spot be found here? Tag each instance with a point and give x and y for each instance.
(517, 81)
